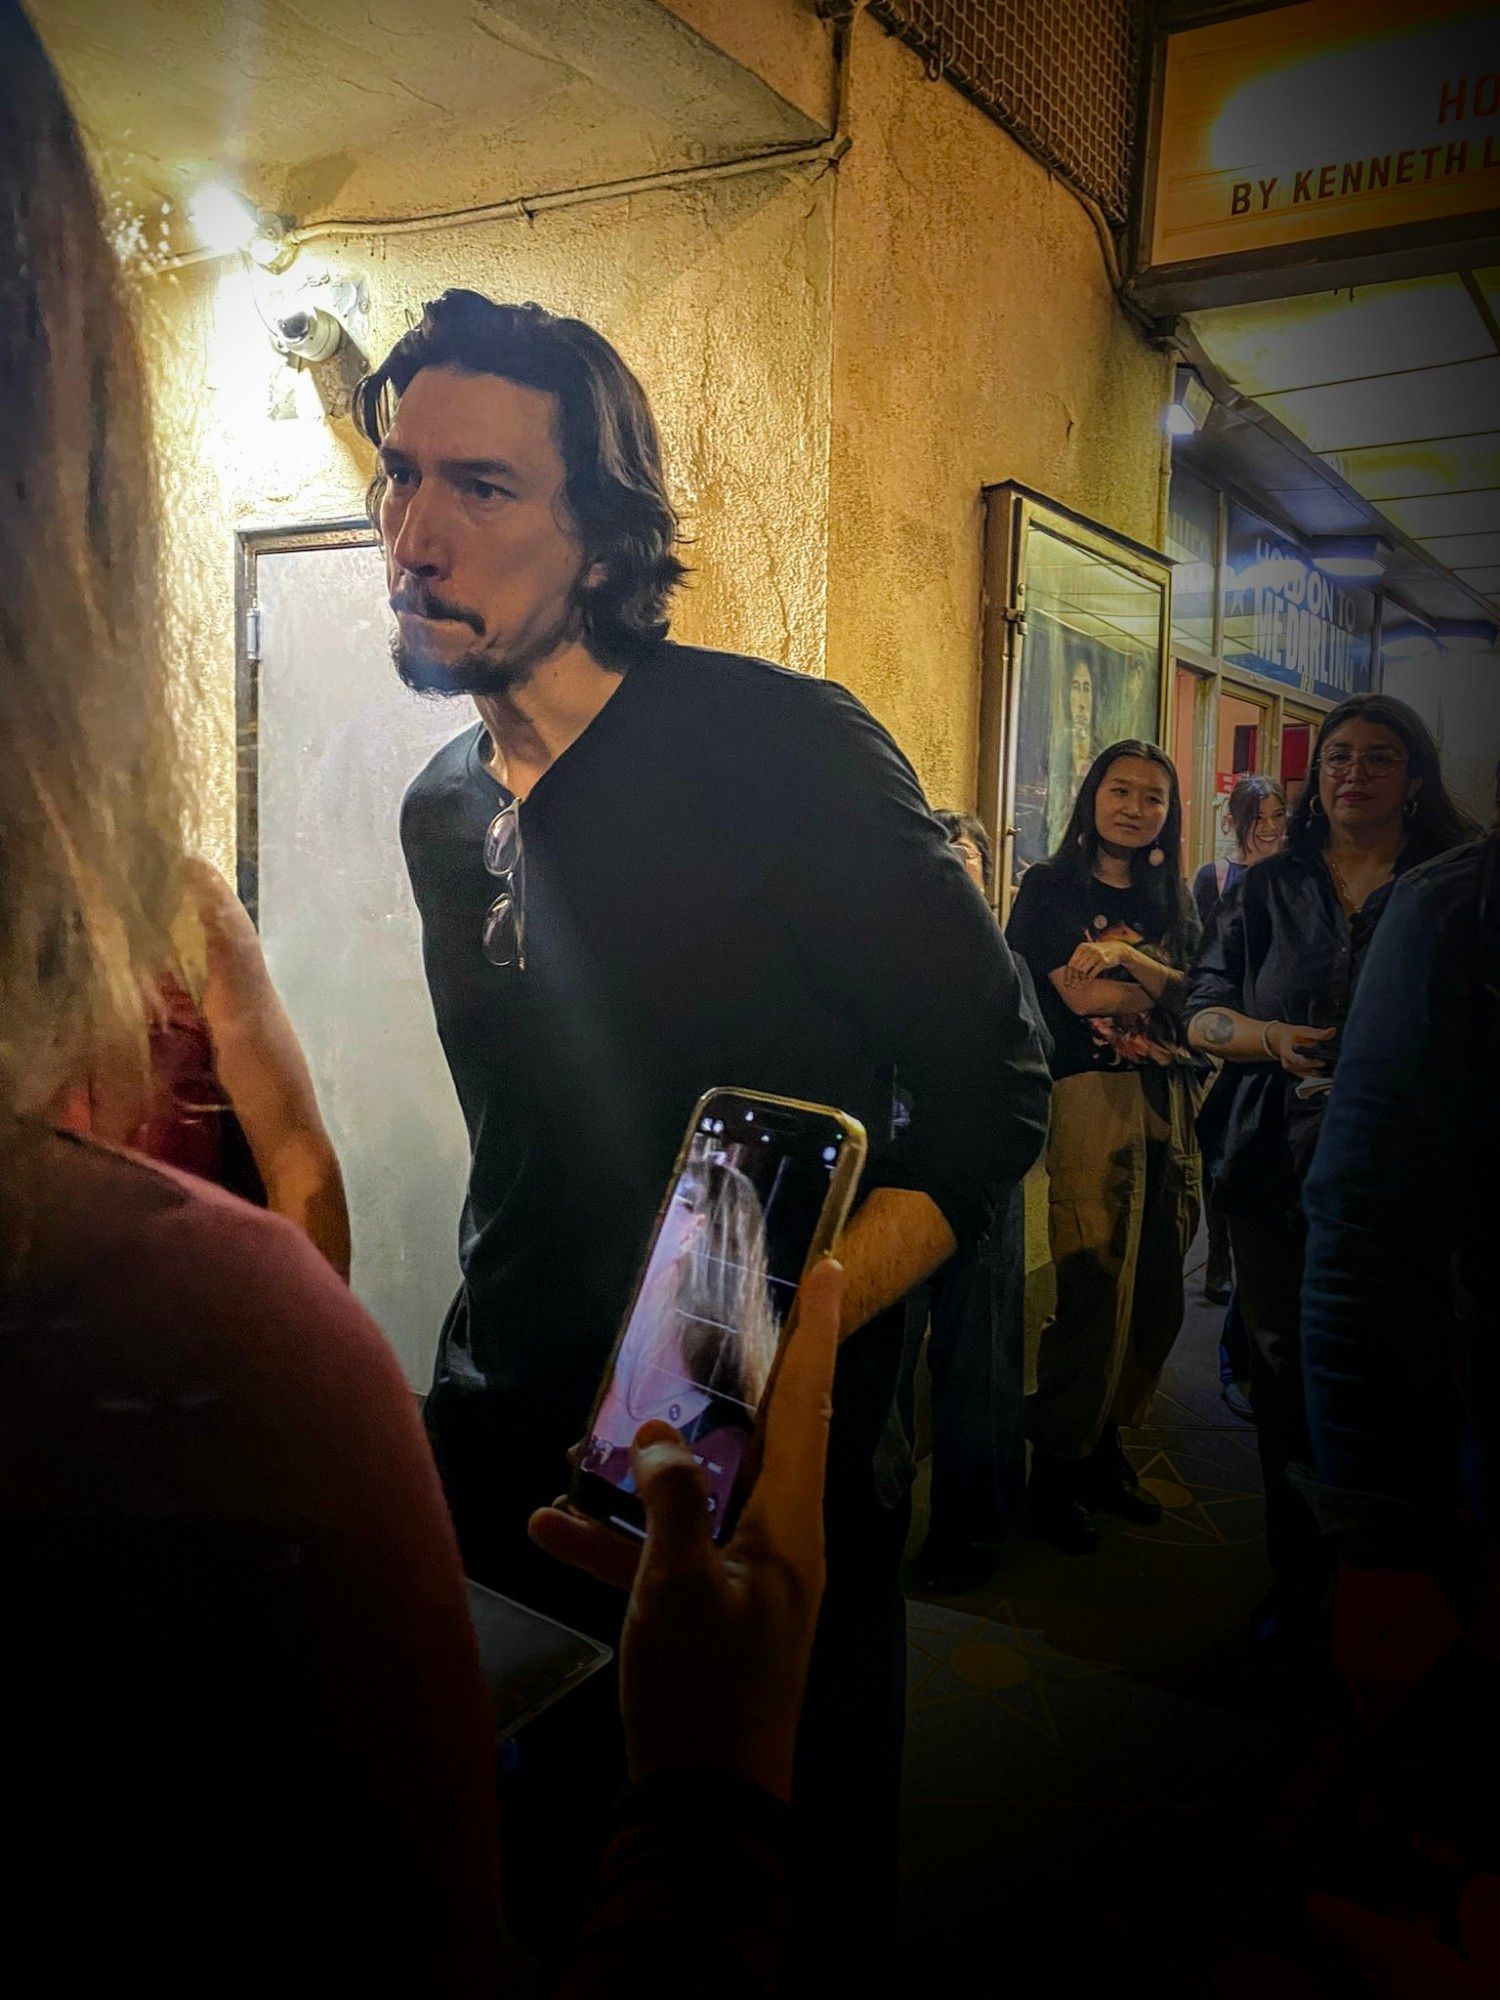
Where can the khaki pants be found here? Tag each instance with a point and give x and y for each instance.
(1122, 1160)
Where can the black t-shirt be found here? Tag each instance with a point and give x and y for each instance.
(1052, 915)
(731, 878)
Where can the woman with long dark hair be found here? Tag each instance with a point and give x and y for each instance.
(1269, 995)
(1107, 927)
(1256, 817)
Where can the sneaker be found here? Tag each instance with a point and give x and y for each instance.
(1110, 1483)
(1237, 1396)
(1054, 1509)
(1218, 1283)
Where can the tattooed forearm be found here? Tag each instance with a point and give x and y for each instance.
(1215, 1029)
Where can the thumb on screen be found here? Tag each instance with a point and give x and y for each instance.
(673, 1494)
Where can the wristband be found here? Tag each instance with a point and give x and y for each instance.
(1265, 1040)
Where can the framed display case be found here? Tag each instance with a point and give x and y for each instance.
(1076, 623)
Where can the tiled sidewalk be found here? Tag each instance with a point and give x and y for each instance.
(1085, 1734)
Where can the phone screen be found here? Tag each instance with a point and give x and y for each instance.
(723, 1269)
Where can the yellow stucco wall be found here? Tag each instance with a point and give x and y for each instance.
(839, 365)
(975, 339)
(718, 296)
(784, 42)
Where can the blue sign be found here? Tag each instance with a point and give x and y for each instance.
(1285, 620)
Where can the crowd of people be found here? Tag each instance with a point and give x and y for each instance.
(250, 1729)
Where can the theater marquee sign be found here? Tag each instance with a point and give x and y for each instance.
(1277, 133)
(1285, 620)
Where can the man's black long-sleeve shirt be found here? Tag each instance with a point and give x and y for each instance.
(731, 878)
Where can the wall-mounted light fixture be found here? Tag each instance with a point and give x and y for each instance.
(224, 222)
(1191, 402)
(307, 332)
(1351, 558)
(1466, 635)
(1405, 634)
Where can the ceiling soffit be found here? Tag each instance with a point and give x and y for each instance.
(395, 107)
(1396, 388)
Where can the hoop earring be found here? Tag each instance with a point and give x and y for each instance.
(1156, 857)
(1409, 810)
(1315, 810)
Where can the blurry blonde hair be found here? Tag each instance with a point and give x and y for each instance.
(91, 814)
(730, 1331)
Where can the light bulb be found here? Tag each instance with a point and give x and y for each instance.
(223, 220)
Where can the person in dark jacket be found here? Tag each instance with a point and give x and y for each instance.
(644, 870)
(1401, 1345)
(1269, 994)
(1256, 817)
(1400, 1303)
(975, 1308)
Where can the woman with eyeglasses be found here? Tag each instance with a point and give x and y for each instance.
(1268, 996)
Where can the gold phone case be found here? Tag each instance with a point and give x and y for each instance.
(835, 1214)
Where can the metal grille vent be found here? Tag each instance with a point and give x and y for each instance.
(1063, 76)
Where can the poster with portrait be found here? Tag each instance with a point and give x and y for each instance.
(1079, 692)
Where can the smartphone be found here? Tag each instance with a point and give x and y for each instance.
(761, 1189)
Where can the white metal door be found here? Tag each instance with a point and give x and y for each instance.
(336, 741)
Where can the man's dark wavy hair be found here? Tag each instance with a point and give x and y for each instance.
(969, 826)
(614, 487)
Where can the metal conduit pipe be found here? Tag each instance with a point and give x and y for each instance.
(825, 152)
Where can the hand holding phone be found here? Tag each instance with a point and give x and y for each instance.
(760, 1189)
(1298, 1046)
(716, 1641)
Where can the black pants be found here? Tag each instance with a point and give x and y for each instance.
(848, 1774)
(1219, 1260)
(976, 1358)
(499, 1459)
(1268, 1288)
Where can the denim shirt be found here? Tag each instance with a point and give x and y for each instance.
(1280, 948)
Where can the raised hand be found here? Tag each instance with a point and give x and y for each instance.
(1295, 1048)
(714, 1651)
(1091, 960)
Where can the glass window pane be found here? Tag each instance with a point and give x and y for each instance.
(1184, 741)
(339, 741)
(1297, 735)
(1090, 667)
(1192, 529)
(1242, 735)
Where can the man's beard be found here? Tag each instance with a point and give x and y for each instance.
(477, 671)
(472, 673)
